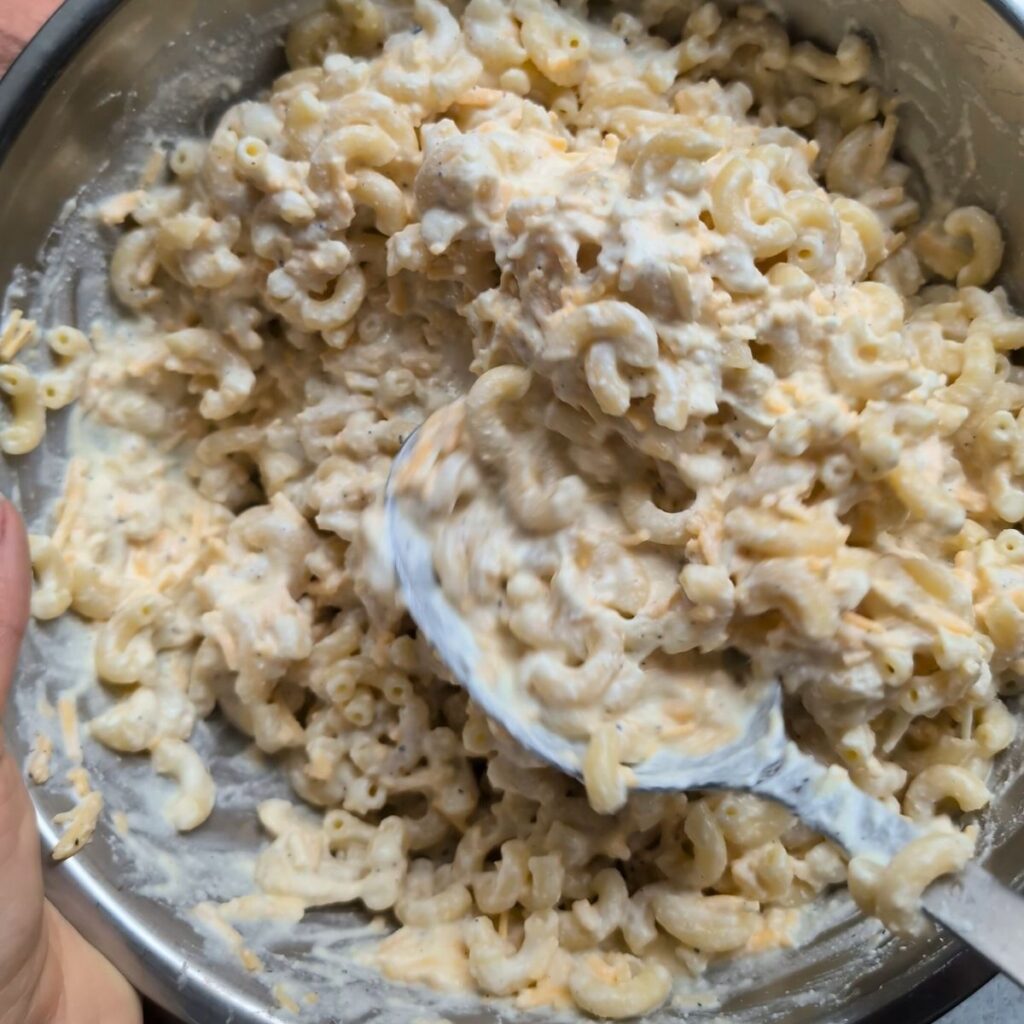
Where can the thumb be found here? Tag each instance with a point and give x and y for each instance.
(48, 972)
(22, 952)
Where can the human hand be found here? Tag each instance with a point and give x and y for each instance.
(48, 973)
(20, 18)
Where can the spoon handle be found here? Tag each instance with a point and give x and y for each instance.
(825, 798)
(985, 913)
(972, 904)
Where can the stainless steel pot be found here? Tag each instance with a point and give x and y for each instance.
(94, 89)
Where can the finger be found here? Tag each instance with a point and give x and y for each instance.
(22, 945)
(19, 24)
(21, 886)
(15, 582)
(22, 935)
(44, 963)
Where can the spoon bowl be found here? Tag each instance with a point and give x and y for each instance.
(728, 767)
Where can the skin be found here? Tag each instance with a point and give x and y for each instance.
(18, 20)
(48, 973)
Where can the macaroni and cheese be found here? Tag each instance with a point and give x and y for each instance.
(717, 391)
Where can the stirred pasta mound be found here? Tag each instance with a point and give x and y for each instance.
(717, 392)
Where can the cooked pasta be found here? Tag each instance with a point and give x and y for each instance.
(709, 394)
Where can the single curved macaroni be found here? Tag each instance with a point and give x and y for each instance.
(618, 996)
(51, 593)
(27, 425)
(136, 724)
(193, 803)
(893, 892)
(72, 352)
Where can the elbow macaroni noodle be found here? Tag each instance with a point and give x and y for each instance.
(714, 393)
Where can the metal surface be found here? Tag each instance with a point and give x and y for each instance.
(983, 912)
(75, 106)
(975, 906)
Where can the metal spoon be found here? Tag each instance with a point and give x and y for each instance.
(973, 904)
